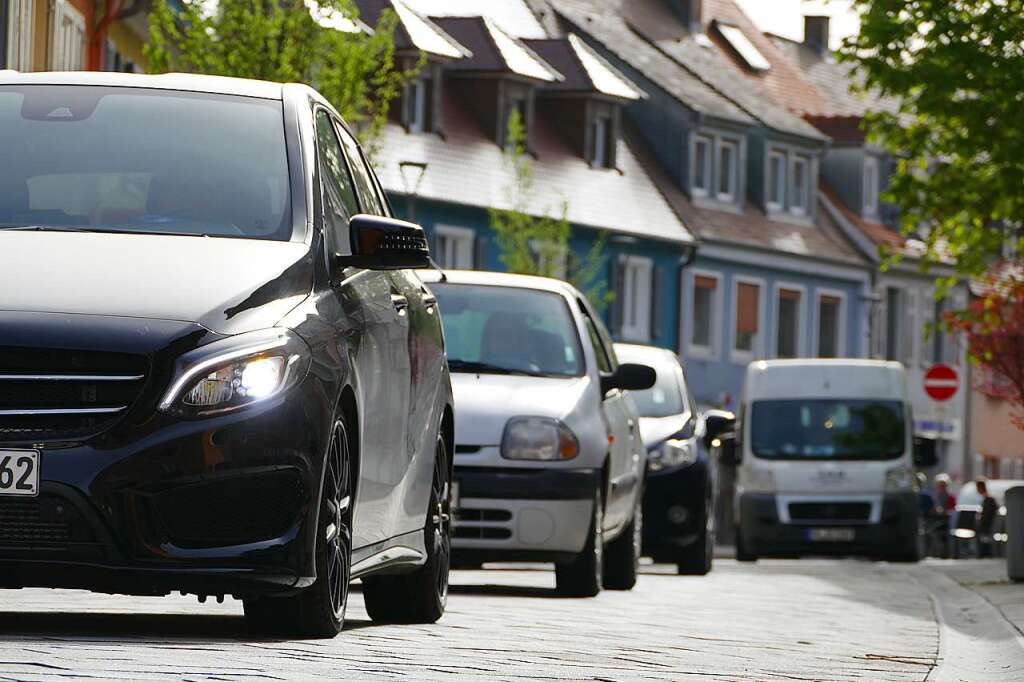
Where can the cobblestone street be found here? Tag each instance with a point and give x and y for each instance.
(789, 620)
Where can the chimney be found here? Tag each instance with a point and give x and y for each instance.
(816, 33)
(691, 12)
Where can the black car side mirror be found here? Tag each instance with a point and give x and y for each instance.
(630, 377)
(925, 455)
(386, 244)
(718, 423)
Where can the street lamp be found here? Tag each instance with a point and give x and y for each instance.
(412, 176)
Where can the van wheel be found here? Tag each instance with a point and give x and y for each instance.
(622, 558)
(319, 610)
(421, 596)
(741, 551)
(582, 576)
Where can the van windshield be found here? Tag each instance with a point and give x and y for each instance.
(827, 429)
(121, 159)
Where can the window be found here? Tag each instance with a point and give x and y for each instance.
(830, 325)
(515, 101)
(114, 61)
(701, 172)
(727, 170)
(787, 340)
(597, 335)
(776, 181)
(870, 186)
(747, 317)
(602, 142)
(893, 323)
(16, 29)
(418, 103)
(68, 49)
(746, 50)
(800, 201)
(636, 299)
(339, 191)
(369, 199)
(454, 247)
(704, 307)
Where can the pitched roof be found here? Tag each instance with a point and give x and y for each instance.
(414, 32)
(606, 25)
(750, 228)
(832, 80)
(494, 50)
(584, 69)
(514, 17)
(467, 167)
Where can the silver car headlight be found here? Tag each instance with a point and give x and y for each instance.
(236, 372)
(672, 453)
(538, 438)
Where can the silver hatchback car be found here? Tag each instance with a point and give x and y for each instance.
(549, 462)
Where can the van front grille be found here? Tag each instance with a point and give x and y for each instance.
(57, 394)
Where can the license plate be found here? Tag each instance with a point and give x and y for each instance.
(455, 495)
(831, 534)
(19, 472)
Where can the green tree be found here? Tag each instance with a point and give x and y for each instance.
(540, 245)
(957, 69)
(284, 41)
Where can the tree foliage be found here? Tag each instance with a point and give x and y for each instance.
(284, 41)
(540, 245)
(956, 67)
(993, 327)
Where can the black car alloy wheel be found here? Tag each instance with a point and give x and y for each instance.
(337, 496)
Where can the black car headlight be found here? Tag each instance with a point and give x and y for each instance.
(236, 372)
(672, 453)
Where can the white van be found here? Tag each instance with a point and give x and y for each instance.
(825, 461)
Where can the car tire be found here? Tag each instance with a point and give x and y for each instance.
(582, 577)
(420, 596)
(622, 556)
(742, 554)
(698, 558)
(318, 611)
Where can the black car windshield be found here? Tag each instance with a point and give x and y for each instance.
(665, 398)
(506, 330)
(827, 429)
(139, 160)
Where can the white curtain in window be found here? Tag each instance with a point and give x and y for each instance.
(19, 35)
(68, 53)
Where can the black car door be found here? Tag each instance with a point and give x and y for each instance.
(367, 321)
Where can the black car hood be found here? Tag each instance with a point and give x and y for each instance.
(229, 286)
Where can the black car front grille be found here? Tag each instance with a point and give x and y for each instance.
(829, 511)
(56, 394)
(47, 522)
(231, 511)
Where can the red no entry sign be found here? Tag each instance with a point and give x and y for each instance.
(941, 382)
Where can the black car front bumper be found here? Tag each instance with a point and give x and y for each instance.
(221, 505)
(764, 533)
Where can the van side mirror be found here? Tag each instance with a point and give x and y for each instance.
(925, 455)
(630, 377)
(380, 243)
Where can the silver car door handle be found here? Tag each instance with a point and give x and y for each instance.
(401, 303)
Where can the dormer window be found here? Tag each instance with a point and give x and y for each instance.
(701, 185)
(776, 181)
(515, 98)
(789, 182)
(870, 186)
(728, 152)
(602, 135)
(420, 101)
(801, 189)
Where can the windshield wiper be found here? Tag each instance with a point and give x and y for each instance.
(46, 228)
(481, 367)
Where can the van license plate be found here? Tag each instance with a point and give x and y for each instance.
(831, 534)
(19, 473)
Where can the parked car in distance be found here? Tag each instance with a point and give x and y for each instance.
(965, 517)
(826, 461)
(548, 457)
(681, 486)
(218, 374)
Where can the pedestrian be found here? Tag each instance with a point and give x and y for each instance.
(986, 519)
(944, 513)
(945, 500)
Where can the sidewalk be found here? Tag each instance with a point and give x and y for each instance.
(987, 578)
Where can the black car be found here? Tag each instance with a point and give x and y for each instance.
(681, 486)
(218, 373)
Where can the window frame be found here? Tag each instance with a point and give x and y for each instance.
(780, 183)
(639, 314)
(803, 190)
(721, 143)
(455, 235)
(801, 321)
(819, 294)
(67, 33)
(709, 142)
(738, 355)
(713, 351)
(871, 189)
(18, 33)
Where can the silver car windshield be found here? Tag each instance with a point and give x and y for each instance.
(137, 160)
(827, 429)
(508, 330)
